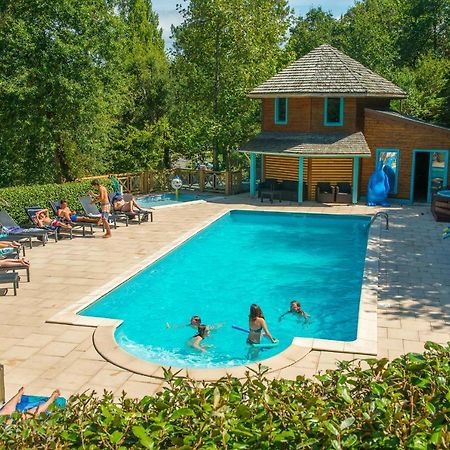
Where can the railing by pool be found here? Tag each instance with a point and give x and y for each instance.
(227, 183)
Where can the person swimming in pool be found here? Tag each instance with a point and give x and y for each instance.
(296, 308)
(194, 323)
(203, 332)
(257, 324)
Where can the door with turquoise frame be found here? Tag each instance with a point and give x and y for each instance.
(429, 174)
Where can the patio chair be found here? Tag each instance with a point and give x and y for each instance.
(51, 230)
(344, 193)
(91, 210)
(82, 225)
(10, 277)
(269, 189)
(14, 231)
(325, 193)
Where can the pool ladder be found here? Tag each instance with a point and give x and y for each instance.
(380, 214)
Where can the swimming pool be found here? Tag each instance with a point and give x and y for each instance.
(169, 198)
(244, 257)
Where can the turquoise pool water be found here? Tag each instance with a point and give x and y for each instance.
(152, 200)
(244, 257)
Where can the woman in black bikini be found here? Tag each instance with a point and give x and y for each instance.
(256, 325)
(202, 333)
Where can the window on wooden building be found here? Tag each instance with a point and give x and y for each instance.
(390, 159)
(281, 111)
(334, 111)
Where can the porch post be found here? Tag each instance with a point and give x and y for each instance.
(300, 180)
(252, 174)
(355, 180)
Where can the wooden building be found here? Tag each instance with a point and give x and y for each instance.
(326, 118)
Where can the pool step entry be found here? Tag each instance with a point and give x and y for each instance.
(380, 214)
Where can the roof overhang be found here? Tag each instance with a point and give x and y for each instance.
(310, 145)
(323, 95)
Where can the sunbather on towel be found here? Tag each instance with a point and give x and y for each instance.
(7, 247)
(10, 406)
(42, 219)
(8, 244)
(71, 216)
(11, 263)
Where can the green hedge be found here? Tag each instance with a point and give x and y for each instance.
(397, 405)
(15, 199)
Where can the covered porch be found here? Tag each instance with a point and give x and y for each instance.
(308, 158)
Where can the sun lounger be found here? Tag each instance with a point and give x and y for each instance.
(52, 230)
(91, 210)
(82, 225)
(14, 231)
(10, 277)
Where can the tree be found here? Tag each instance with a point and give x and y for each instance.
(147, 70)
(316, 28)
(61, 87)
(222, 50)
(427, 86)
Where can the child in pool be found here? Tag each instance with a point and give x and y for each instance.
(202, 333)
(195, 322)
(296, 308)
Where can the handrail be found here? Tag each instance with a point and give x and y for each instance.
(380, 214)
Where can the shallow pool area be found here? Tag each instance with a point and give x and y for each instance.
(169, 198)
(245, 257)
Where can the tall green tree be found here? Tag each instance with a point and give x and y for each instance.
(146, 68)
(60, 87)
(222, 49)
(316, 28)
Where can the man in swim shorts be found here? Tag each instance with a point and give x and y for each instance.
(105, 206)
(71, 216)
(42, 219)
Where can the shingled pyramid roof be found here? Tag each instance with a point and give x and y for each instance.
(325, 71)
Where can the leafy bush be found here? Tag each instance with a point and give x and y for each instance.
(14, 200)
(401, 404)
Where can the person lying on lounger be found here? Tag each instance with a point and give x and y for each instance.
(42, 219)
(11, 406)
(7, 247)
(11, 263)
(119, 204)
(64, 212)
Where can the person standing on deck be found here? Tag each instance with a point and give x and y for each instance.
(105, 206)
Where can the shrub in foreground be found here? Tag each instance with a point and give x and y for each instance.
(401, 404)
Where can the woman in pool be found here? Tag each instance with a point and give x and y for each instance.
(202, 333)
(257, 324)
(295, 308)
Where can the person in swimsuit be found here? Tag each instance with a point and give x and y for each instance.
(42, 219)
(295, 308)
(65, 213)
(121, 205)
(202, 333)
(9, 407)
(257, 324)
(194, 323)
(105, 206)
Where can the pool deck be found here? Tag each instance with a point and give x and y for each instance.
(413, 299)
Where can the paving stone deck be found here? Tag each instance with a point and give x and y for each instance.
(413, 303)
